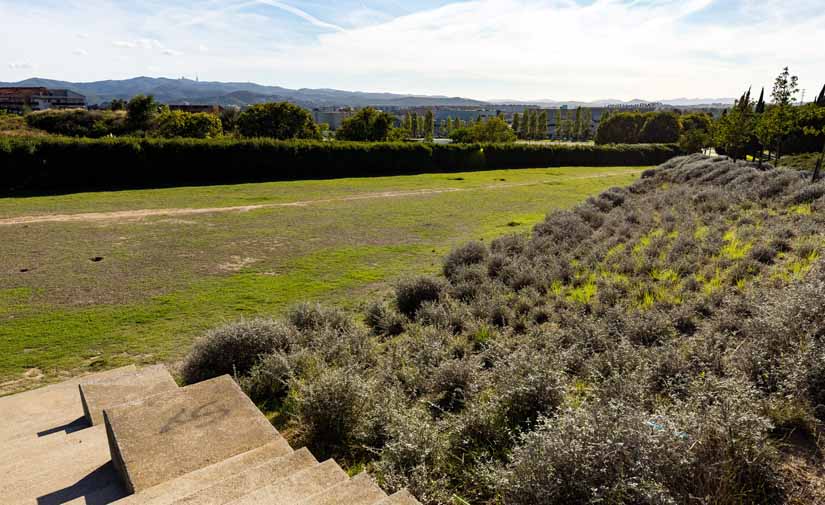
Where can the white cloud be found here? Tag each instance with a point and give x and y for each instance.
(172, 52)
(557, 49)
(80, 52)
(20, 66)
(306, 16)
(138, 44)
(521, 49)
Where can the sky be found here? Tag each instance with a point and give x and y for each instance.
(485, 49)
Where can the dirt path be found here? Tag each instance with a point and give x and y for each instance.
(142, 213)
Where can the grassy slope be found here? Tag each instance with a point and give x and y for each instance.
(164, 280)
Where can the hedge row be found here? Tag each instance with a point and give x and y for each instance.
(61, 164)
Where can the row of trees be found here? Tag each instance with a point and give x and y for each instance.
(639, 128)
(419, 126)
(754, 128)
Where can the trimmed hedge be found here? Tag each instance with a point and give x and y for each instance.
(62, 164)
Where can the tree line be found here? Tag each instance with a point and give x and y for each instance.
(756, 129)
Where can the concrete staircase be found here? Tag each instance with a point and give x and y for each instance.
(132, 437)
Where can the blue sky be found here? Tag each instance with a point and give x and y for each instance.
(520, 49)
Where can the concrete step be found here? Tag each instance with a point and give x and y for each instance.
(21, 452)
(251, 480)
(99, 393)
(297, 487)
(70, 470)
(175, 489)
(402, 497)
(360, 490)
(171, 434)
(48, 410)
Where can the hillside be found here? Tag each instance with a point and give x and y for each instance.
(235, 93)
(660, 343)
(247, 93)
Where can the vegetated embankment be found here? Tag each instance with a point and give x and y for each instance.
(657, 344)
(66, 164)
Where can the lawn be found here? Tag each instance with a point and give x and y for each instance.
(99, 291)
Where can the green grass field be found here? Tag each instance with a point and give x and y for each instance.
(168, 271)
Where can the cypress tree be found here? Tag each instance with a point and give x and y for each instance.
(414, 124)
(760, 105)
(557, 133)
(542, 130)
(578, 123)
(516, 122)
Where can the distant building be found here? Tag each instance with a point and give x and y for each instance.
(19, 100)
(185, 107)
(334, 118)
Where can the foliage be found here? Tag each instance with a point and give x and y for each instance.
(620, 128)
(78, 122)
(177, 123)
(367, 125)
(733, 131)
(631, 350)
(493, 130)
(280, 121)
(696, 132)
(140, 112)
(660, 128)
(50, 162)
(233, 349)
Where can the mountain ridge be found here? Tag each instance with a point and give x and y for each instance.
(167, 90)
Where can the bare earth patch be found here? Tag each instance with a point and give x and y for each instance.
(143, 213)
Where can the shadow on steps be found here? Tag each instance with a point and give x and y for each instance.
(100, 487)
(78, 424)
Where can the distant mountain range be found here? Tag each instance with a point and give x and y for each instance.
(179, 91)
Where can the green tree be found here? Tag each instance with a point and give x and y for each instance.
(620, 128)
(533, 125)
(760, 104)
(734, 129)
(524, 131)
(660, 128)
(557, 132)
(414, 124)
(140, 111)
(541, 132)
(494, 130)
(577, 123)
(117, 104)
(429, 125)
(229, 119)
(516, 122)
(812, 120)
(408, 122)
(779, 119)
(696, 132)
(176, 123)
(280, 120)
(367, 125)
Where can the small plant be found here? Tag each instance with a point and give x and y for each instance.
(234, 348)
(410, 294)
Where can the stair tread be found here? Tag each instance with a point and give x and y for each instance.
(402, 497)
(297, 487)
(251, 480)
(173, 433)
(48, 409)
(360, 490)
(100, 393)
